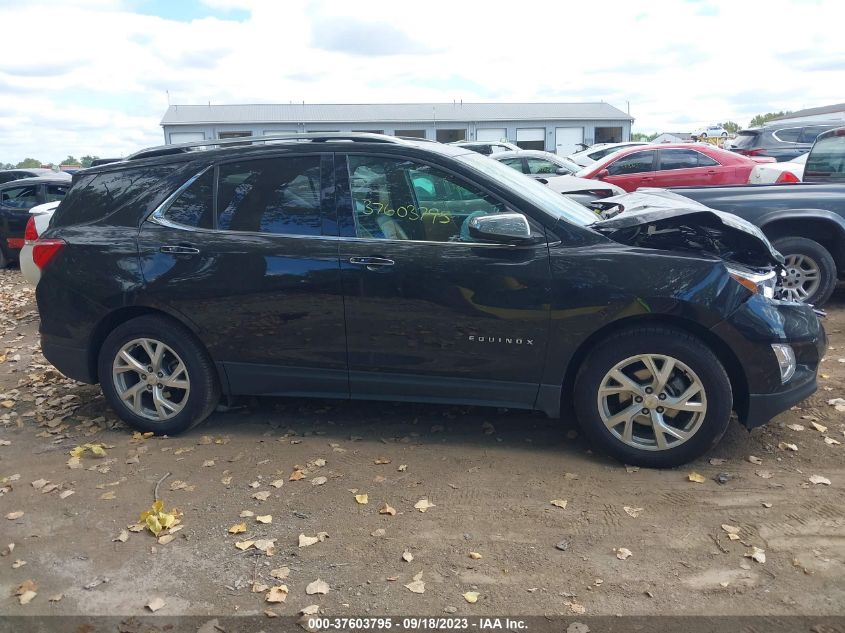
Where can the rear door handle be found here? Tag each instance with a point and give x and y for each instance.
(371, 262)
(180, 249)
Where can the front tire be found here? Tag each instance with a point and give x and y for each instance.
(156, 376)
(653, 396)
(810, 271)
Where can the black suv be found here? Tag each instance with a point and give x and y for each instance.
(783, 142)
(369, 267)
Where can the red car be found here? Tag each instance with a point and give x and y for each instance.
(672, 165)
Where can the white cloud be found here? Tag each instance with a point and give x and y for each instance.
(94, 80)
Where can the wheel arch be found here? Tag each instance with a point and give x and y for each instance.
(729, 360)
(118, 317)
(823, 227)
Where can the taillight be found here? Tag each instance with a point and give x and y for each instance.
(31, 233)
(751, 152)
(43, 251)
(787, 176)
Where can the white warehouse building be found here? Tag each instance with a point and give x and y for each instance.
(554, 127)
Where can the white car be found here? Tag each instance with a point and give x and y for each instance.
(590, 155)
(712, 131)
(39, 220)
(778, 173)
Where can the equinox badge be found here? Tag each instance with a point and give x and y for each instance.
(500, 339)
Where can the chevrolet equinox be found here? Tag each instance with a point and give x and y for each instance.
(371, 267)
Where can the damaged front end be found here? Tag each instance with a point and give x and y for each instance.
(666, 221)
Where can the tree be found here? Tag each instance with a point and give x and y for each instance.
(762, 119)
(86, 160)
(731, 127)
(639, 136)
(28, 163)
(70, 160)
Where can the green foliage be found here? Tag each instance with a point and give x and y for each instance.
(28, 163)
(87, 160)
(640, 137)
(731, 127)
(70, 160)
(762, 119)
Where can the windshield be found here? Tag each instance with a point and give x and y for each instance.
(554, 204)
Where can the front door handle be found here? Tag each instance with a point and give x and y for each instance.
(180, 249)
(372, 263)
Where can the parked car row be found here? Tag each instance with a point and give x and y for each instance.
(396, 269)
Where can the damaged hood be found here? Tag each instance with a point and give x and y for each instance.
(667, 221)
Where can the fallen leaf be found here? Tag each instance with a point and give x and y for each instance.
(786, 446)
(296, 475)
(475, 555)
(311, 609)
(318, 586)
(766, 504)
(818, 479)
(259, 587)
(17, 514)
(122, 537)
(165, 539)
(821, 428)
(244, 545)
(755, 460)
(319, 481)
(830, 441)
(262, 495)
(362, 499)
(277, 594)
(108, 496)
(386, 509)
(277, 483)
(268, 546)
(208, 463)
(64, 494)
(237, 528)
(155, 604)
(632, 512)
(471, 596)
(281, 573)
(382, 460)
(695, 477)
(764, 474)
(417, 585)
(796, 427)
(402, 468)
(732, 531)
(246, 514)
(18, 564)
(623, 553)
(756, 554)
(560, 503)
(26, 585)
(39, 483)
(264, 518)
(423, 504)
(26, 597)
(407, 556)
(378, 532)
(305, 541)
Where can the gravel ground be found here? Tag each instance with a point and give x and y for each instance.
(628, 541)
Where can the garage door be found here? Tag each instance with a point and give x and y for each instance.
(491, 134)
(186, 137)
(567, 139)
(531, 137)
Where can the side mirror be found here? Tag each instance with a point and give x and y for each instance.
(562, 171)
(542, 180)
(502, 228)
(602, 174)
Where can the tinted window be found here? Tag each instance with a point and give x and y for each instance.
(275, 195)
(827, 159)
(402, 200)
(194, 206)
(788, 135)
(635, 163)
(745, 139)
(515, 163)
(541, 166)
(684, 159)
(24, 197)
(809, 134)
(56, 192)
(8, 177)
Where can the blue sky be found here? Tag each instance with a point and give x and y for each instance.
(98, 77)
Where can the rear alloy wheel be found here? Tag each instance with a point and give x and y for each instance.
(157, 376)
(653, 396)
(810, 271)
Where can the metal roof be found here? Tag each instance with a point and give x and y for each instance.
(379, 112)
(831, 109)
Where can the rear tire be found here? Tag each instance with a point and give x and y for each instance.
(804, 255)
(181, 390)
(4, 260)
(687, 411)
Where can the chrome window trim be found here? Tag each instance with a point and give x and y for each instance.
(157, 215)
(780, 140)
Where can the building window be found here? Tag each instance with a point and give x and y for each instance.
(186, 137)
(222, 135)
(609, 134)
(531, 138)
(410, 133)
(448, 135)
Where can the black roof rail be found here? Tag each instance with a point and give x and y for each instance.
(178, 148)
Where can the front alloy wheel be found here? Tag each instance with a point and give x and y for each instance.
(802, 279)
(652, 402)
(151, 379)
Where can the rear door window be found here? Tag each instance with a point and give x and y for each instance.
(272, 195)
(827, 159)
(541, 166)
(677, 159)
(635, 163)
(514, 163)
(810, 133)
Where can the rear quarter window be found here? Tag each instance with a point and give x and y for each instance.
(826, 160)
(132, 193)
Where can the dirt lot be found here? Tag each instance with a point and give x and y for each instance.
(490, 476)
